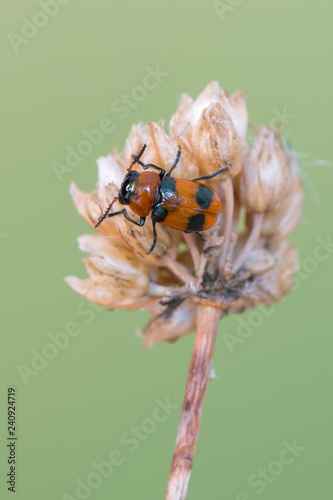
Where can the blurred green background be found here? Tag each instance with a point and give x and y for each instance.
(272, 387)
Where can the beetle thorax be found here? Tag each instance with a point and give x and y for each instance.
(144, 193)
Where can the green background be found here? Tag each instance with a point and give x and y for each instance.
(276, 385)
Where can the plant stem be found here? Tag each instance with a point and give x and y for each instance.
(178, 269)
(196, 385)
(229, 213)
(251, 241)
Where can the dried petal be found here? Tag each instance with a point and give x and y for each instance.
(110, 256)
(109, 172)
(101, 294)
(127, 285)
(138, 136)
(179, 124)
(90, 209)
(238, 114)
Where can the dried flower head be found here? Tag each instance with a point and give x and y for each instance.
(225, 267)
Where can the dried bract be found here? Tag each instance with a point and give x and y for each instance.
(266, 178)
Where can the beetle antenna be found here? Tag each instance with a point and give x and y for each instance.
(104, 216)
(136, 158)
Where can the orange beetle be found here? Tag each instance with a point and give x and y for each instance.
(185, 205)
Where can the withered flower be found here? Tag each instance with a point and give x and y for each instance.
(191, 280)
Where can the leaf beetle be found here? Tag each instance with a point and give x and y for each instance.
(186, 205)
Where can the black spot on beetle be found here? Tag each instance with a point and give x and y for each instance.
(204, 196)
(168, 184)
(195, 223)
(159, 213)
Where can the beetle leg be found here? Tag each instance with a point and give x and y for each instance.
(151, 165)
(155, 239)
(215, 174)
(136, 158)
(176, 161)
(102, 217)
(201, 236)
(124, 211)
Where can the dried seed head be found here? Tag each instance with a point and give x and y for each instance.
(222, 267)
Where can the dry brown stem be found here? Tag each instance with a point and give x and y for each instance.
(251, 241)
(196, 386)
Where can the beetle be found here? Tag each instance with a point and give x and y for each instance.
(186, 205)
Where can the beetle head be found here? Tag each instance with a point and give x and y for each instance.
(127, 187)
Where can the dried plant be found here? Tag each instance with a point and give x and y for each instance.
(190, 281)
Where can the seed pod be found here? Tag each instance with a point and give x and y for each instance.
(216, 143)
(163, 150)
(266, 178)
(172, 323)
(189, 112)
(278, 281)
(107, 296)
(278, 225)
(211, 94)
(258, 262)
